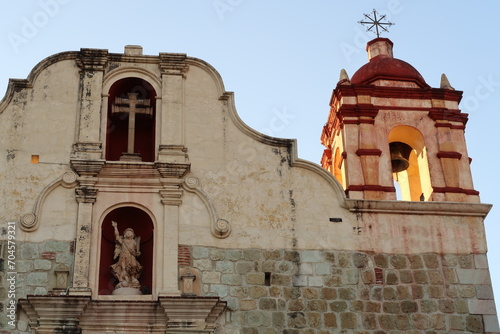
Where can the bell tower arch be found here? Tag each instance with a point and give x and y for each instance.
(409, 163)
(387, 125)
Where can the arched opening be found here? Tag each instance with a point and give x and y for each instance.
(337, 166)
(130, 131)
(138, 220)
(399, 197)
(412, 176)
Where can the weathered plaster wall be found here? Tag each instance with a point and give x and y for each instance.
(39, 120)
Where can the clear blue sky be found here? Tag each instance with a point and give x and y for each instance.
(284, 57)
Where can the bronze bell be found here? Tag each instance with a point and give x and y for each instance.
(400, 154)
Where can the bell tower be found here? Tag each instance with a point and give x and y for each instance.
(387, 129)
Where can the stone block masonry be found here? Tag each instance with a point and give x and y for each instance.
(35, 264)
(312, 291)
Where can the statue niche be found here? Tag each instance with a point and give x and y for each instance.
(126, 257)
(127, 269)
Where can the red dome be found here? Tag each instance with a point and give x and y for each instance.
(386, 67)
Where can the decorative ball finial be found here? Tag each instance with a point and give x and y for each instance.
(376, 22)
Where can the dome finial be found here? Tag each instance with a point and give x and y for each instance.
(344, 78)
(445, 83)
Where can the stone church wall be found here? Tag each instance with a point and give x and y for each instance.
(272, 235)
(314, 291)
(36, 264)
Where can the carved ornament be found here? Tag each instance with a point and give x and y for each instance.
(92, 59)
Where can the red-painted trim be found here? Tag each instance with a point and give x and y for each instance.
(455, 190)
(337, 125)
(357, 110)
(325, 163)
(453, 115)
(368, 151)
(184, 255)
(448, 115)
(364, 89)
(366, 121)
(383, 107)
(373, 78)
(370, 187)
(379, 275)
(341, 161)
(358, 121)
(449, 125)
(386, 107)
(326, 159)
(446, 94)
(379, 39)
(326, 132)
(471, 192)
(449, 154)
(396, 92)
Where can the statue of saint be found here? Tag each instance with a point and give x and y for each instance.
(127, 269)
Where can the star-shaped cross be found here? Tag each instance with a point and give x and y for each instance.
(376, 22)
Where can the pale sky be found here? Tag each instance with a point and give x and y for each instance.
(283, 58)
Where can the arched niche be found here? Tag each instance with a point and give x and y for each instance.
(130, 129)
(415, 181)
(142, 224)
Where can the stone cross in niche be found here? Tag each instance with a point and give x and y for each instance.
(132, 106)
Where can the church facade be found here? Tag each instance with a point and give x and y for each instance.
(135, 200)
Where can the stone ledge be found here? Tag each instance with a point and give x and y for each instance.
(76, 313)
(421, 208)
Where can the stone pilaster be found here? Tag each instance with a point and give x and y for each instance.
(86, 195)
(454, 183)
(173, 164)
(88, 143)
(173, 68)
(369, 154)
(171, 198)
(364, 177)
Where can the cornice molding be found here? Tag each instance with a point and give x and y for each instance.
(419, 208)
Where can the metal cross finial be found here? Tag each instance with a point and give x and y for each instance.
(376, 22)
